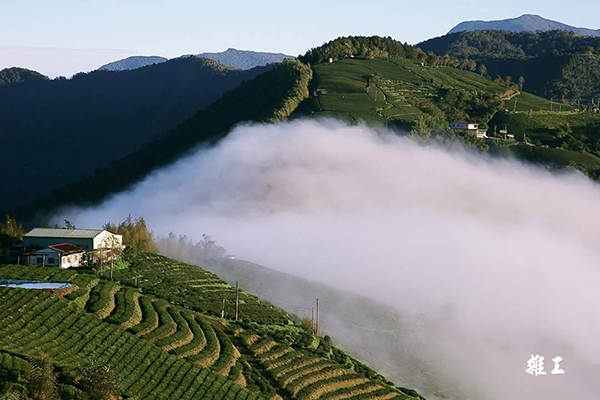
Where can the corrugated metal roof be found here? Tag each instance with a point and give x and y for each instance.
(63, 233)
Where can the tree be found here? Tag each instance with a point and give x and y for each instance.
(521, 82)
(482, 70)
(69, 225)
(98, 381)
(421, 129)
(135, 233)
(11, 232)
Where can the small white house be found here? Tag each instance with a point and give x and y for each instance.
(464, 126)
(62, 255)
(470, 127)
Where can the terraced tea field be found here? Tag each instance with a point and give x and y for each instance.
(383, 90)
(160, 349)
(35, 322)
(194, 288)
(183, 333)
(307, 376)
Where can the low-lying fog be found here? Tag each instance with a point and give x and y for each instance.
(505, 257)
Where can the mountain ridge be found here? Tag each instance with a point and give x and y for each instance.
(111, 112)
(526, 22)
(18, 75)
(242, 59)
(133, 62)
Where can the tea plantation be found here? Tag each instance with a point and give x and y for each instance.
(169, 344)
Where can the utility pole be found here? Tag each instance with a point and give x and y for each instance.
(237, 300)
(317, 317)
(112, 259)
(223, 309)
(515, 106)
(312, 321)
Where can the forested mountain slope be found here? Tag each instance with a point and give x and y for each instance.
(16, 75)
(554, 64)
(55, 132)
(270, 97)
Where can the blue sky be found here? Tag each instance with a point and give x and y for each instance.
(171, 28)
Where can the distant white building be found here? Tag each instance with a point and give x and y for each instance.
(470, 127)
(62, 255)
(87, 239)
(464, 126)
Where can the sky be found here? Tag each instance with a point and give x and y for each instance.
(66, 36)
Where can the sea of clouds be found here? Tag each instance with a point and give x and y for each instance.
(510, 252)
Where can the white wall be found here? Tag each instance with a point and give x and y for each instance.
(106, 239)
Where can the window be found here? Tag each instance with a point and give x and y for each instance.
(40, 260)
(50, 260)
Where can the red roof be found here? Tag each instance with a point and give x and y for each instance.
(66, 248)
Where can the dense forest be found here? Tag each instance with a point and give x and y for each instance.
(361, 47)
(554, 63)
(270, 97)
(16, 75)
(54, 132)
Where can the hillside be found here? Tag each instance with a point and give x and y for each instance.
(526, 22)
(270, 97)
(244, 59)
(369, 330)
(422, 97)
(554, 64)
(15, 75)
(398, 91)
(55, 132)
(133, 62)
(175, 351)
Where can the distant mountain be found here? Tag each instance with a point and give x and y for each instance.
(133, 62)
(242, 59)
(526, 22)
(15, 74)
(55, 132)
(245, 59)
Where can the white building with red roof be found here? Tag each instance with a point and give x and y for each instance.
(63, 255)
